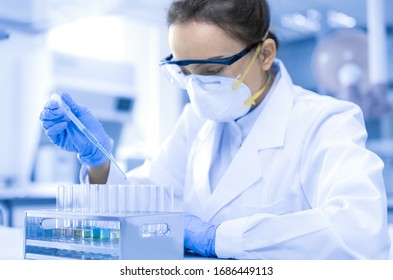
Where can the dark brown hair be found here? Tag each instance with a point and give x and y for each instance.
(244, 20)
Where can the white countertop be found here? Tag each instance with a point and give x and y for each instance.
(11, 243)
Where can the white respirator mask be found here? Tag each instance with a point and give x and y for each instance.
(221, 98)
(214, 98)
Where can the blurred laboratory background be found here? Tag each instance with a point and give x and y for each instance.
(105, 53)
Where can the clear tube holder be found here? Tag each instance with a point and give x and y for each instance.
(48, 234)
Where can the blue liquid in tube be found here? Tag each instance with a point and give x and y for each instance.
(105, 234)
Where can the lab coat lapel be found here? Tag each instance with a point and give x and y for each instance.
(243, 171)
(268, 132)
(202, 153)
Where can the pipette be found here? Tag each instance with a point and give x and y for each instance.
(85, 131)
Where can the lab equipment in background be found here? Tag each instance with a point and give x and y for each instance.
(54, 165)
(356, 62)
(25, 77)
(341, 65)
(106, 222)
(86, 132)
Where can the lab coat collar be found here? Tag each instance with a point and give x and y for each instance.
(268, 132)
(270, 128)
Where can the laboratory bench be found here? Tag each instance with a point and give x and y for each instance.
(11, 244)
(16, 200)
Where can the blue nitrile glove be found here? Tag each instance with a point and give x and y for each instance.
(199, 236)
(64, 133)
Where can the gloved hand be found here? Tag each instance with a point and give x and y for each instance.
(64, 133)
(199, 236)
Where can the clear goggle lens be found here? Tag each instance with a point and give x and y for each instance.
(175, 75)
(179, 76)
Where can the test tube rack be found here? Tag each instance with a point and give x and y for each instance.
(54, 234)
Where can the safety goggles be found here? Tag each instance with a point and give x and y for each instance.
(175, 69)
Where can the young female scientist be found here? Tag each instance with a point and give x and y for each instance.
(262, 169)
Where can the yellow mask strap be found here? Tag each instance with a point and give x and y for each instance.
(243, 76)
(251, 100)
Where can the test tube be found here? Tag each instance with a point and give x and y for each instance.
(161, 199)
(76, 198)
(145, 198)
(85, 203)
(135, 200)
(68, 197)
(68, 201)
(95, 209)
(76, 207)
(154, 197)
(125, 193)
(60, 196)
(104, 209)
(114, 199)
(114, 210)
(168, 198)
(104, 198)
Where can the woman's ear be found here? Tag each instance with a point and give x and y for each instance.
(268, 54)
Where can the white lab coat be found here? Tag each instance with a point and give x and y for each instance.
(301, 186)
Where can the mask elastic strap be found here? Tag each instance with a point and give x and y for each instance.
(243, 76)
(251, 100)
